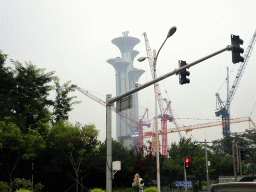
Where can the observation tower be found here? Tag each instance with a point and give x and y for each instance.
(126, 76)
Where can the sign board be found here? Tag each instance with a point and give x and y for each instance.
(124, 104)
(116, 165)
(181, 184)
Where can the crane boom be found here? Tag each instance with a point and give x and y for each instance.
(150, 58)
(174, 120)
(212, 124)
(198, 126)
(151, 64)
(164, 116)
(242, 68)
(224, 111)
(104, 103)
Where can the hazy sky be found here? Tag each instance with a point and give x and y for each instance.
(73, 38)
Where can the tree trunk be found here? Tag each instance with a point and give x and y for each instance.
(77, 182)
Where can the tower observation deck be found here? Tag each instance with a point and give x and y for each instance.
(126, 76)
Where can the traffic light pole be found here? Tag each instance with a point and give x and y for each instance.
(185, 176)
(240, 161)
(110, 101)
(174, 72)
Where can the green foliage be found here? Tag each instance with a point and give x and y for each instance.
(13, 139)
(136, 187)
(177, 152)
(24, 95)
(130, 189)
(4, 186)
(119, 153)
(173, 166)
(23, 184)
(150, 189)
(97, 190)
(63, 103)
(145, 162)
(76, 144)
(38, 187)
(23, 190)
(72, 140)
(31, 91)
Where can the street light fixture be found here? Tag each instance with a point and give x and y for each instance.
(170, 33)
(140, 59)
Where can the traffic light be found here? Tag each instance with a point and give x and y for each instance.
(236, 49)
(186, 163)
(243, 153)
(183, 74)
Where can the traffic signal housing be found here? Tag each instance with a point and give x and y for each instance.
(236, 49)
(186, 163)
(243, 153)
(183, 74)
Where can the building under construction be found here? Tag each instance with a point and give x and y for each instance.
(126, 76)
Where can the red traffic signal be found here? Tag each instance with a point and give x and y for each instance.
(186, 163)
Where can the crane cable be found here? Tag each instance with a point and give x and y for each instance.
(232, 70)
(252, 109)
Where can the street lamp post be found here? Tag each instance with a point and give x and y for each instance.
(206, 161)
(170, 33)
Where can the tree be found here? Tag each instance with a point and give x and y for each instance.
(63, 103)
(29, 95)
(24, 93)
(7, 85)
(76, 144)
(119, 153)
(15, 145)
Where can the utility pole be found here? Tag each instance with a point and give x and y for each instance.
(108, 144)
(240, 161)
(234, 158)
(206, 159)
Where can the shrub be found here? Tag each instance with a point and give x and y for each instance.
(26, 184)
(150, 189)
(21, 183)
(136, 187)
(130, 189)
(4, 186)
(97, 190)
(23, 190)
(38, 187)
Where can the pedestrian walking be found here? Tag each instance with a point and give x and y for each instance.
(194, 187)
(141, 185)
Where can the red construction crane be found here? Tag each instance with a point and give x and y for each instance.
(164, 112)
(140, 123)
(144, 121)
